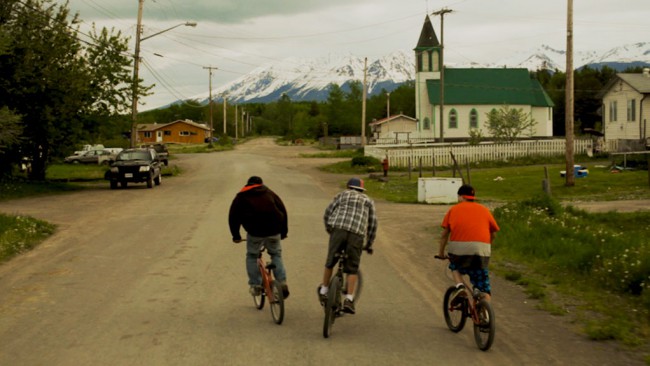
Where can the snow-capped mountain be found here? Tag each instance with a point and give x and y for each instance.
(309, 79)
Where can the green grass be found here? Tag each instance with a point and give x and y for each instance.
(602, 259)
(197, 148)
(19, 234)
(507, 184)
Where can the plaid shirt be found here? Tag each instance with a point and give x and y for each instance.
(352, 211)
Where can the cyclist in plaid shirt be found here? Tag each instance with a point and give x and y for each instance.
(349, 219)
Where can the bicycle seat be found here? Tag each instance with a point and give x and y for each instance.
(270, 266)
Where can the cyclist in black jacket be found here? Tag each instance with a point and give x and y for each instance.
(263, 215)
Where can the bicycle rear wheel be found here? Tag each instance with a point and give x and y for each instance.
(333, 304)
(484, 331)
(454, 308)
(277, 303)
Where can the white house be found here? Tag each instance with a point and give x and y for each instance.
(626, 107)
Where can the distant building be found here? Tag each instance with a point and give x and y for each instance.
(626, 107)
(392, 127)
(470, 94)
(180, 132)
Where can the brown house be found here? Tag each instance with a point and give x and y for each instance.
(180, 132)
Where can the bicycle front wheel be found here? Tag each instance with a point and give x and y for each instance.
(277, 303)
(332, 305)
(454, 307)
(485, 329)
(259, 300)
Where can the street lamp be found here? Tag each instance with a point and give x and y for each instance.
(136, 68)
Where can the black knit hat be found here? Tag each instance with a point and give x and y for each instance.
(254, 180)
(466, 191)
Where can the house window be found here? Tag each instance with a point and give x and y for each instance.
(631, 110)
(183, 133)
(453, 119)
(147, 134)
(427, 123)
(473, 119)
(167, 133)
(612, 111)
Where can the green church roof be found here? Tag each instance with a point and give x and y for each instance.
(489, 86)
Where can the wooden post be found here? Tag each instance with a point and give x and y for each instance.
(546, 183)
(410, 166)
(469, 179)
(433, 161)
(456, 167)
(420, 163)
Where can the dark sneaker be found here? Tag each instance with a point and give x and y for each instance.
(348, 306)
(255, 290)
(321, 298)
(285, 291)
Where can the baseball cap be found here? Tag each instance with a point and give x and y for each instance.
(356, 183)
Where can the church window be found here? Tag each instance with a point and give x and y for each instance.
(473, 119)
(453, 119)
(427, 123)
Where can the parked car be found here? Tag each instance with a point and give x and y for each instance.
(87, 148)
(135, 166)
(91, 157)
(161, 150)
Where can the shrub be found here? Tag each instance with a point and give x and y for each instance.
(364, 161)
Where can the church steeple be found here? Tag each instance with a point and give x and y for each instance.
(428, 37)
(427, 52)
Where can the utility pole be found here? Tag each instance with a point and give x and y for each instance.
(136, 68)
(442, 13)
(568, 118)
(224, 113)
(363, 103)
(210, 68)
(236, 122)
(388, 105)
(243, 122)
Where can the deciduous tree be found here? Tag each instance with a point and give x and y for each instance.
(507, 124)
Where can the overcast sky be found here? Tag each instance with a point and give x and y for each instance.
(237, 36)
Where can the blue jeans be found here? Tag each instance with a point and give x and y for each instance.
(273, 247)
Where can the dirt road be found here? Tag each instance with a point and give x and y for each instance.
(150, 277)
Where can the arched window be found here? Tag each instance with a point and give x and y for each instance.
(473, 119)
(453, 119)
(427, 123)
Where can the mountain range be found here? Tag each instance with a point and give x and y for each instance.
(309, 79)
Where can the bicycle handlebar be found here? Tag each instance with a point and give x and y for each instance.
(441, 258)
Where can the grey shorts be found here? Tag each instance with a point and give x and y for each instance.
(353, 244)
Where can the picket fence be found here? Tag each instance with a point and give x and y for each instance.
(413, 155)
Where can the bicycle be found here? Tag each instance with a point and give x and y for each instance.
(461, 303)
(337, 291)
(271, 289)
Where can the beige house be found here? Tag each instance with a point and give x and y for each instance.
(626, 107)
(392, 127)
